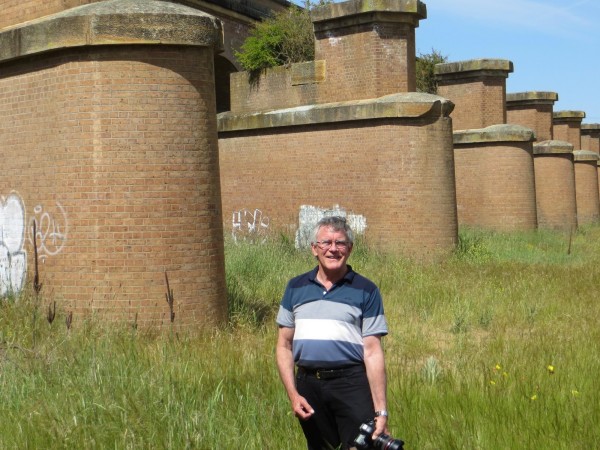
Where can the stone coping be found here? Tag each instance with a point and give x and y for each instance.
(473, 68)
(531, 98)
(245, 9)
(585, 155)
(356, 12)
(568, 115)
(494, 133)
(590, 128)
(395, 106)
(552, 147)
(113, 22)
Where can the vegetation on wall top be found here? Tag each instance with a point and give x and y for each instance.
(287, 37)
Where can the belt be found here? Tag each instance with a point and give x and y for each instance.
(328, 374)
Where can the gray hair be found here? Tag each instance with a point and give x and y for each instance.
(338, 223)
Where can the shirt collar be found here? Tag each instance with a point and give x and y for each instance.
(312, 275)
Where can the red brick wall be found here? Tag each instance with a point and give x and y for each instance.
(273, 90)
(367, 61)
(590, 142)
(536, 117)
(555, 191)
(19, 11)
(569, 131)
(361, 61)
(398, 174)
(495, 186)
(586, 186)
(377, 60)
(479, 102)
(118, 145)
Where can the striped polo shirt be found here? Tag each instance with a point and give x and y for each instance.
(330, 325)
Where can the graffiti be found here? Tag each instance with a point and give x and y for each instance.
(13, 258)
(249, 226)
(51, 231)
(310, 215)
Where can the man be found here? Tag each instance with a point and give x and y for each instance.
(330, 326)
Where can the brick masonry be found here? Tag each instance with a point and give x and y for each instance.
(397, 173)
(532, 110)
(477, 88)
(555, 185)
(586, 186)
(112, 151)
(590, 137)
(495, 184)
(343, 131)
(566, 126)
(19, 11)
(361, 52)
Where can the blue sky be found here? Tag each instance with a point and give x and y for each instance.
(554, 45)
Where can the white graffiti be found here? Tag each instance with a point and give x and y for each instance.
(247, 225)
(308, 217)
(13, 258)
(50, 231)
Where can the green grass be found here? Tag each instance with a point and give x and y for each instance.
(471, 339)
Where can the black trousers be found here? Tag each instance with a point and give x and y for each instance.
(341, 404)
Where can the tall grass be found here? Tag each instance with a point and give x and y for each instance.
(494, 348)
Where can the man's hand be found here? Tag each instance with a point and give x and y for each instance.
(380, 427)
(285, 365)
(301, 408)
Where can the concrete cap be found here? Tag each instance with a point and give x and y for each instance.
(590, 128)
(113, 22)
(409, 105)
(568, 115)
(585, 155)
(335, 15)
(473, 68)
(494, 133)
(552, 147)
(531, 97)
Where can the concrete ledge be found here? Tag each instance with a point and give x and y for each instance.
(396, 106)
(590, 128)
(552, 147)
(113, 22)
(473, 68)
(585, 155)
(568, 115)
(531, 98)
(494, 133)
(356, 12)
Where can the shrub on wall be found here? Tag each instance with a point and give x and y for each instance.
(425, 70)
(284, 38)
(287, 37)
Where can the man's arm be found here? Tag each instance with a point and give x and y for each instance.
(285, 365)
(375, 365)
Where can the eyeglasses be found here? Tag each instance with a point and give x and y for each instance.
(324, 245)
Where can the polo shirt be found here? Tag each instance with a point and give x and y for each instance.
(330, 325)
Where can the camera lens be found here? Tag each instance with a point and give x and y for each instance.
(385, 442)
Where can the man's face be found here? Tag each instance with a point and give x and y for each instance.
(332, 257)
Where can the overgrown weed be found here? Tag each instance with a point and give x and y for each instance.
(470, 345)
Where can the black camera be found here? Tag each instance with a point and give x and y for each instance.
(364, 440)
